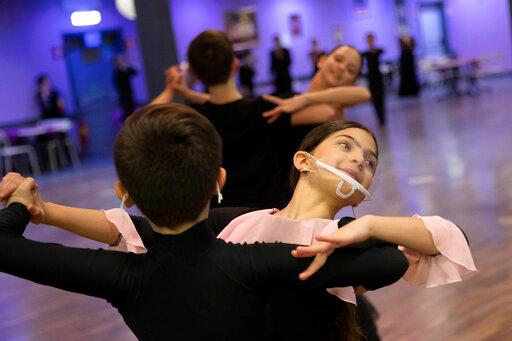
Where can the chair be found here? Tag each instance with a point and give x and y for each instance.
(59, 146)
(7, 151)
(56, 151)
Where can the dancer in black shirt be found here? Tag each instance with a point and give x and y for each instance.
(252, 149)
(188, 285)
(375, 81)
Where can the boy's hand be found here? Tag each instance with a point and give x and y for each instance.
(10, 183)
(23, 193)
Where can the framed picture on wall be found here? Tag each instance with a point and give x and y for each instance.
(361, 9)
(242, 28)
(295, 23)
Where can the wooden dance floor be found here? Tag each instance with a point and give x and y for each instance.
(451, 158)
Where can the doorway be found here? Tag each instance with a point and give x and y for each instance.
(434, 35)
(89, 57)
(89, 60)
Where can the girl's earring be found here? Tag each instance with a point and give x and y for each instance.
(219, 194)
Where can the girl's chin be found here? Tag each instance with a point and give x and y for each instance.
(332, 82)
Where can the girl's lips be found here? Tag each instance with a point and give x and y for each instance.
(352, 174)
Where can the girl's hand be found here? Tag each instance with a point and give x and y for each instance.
(354, 232)
(283, 106)
(175, 80)
(323, 251)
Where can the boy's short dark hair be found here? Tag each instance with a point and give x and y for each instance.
(168, 157)
(210, 56)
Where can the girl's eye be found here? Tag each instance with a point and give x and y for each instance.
(371, 165)
(344, 145)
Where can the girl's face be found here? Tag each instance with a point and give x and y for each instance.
(351, 150)
(341, 67)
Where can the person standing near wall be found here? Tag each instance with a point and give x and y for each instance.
(123, 74)
(314, 55)
(280, 62)
(51, 105)
(246, 74)
(372, 58)
(408, 79)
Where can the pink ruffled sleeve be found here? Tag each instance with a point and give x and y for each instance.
(450, 265)
(130, 239)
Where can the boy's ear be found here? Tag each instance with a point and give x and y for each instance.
(234, 65)
(221, 178)
(120, 192)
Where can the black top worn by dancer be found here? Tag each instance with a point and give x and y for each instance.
(48, 99)
(189, 286)
(373, 64)
(409, 85)
(280, 62)
(299, 313)
(375, 82)
(49, 106)
(251, 152)
(122, 78)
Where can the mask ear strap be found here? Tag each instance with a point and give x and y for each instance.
(125, 196)
(219, 194)
(353, 212)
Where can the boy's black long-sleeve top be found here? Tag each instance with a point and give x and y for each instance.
(298, 313)
(189, 286)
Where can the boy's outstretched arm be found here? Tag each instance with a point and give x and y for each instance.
(88, 223)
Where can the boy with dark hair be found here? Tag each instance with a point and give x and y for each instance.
(250, 145)
(210, 56)
(171, 147)
(252, 148)
(188, 285)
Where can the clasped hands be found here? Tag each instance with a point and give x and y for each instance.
(16, 188)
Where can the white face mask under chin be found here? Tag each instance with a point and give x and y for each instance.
(356, 186)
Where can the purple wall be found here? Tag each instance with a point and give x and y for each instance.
(480, 29)
(27, 33)
(475, 28)
(319, 18)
